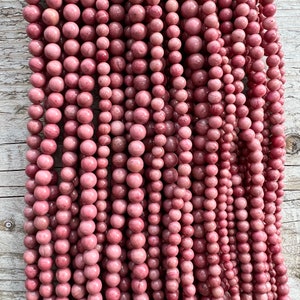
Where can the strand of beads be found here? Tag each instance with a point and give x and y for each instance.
(45, 178)
(32, 14)
(237, 214)
(222, 81)
(175, 194)
(157, 142)
(92, 208)
(52, 117)
(225, 214)
(265, 145)
(200, 109)
(137, 195)
(233, 87)
(192, 46)
(136, 148)
(252, 121)
(88, 282)
(169, 174)
(104, 128)
(107, 105)
(197, 87)
(78, 102)
(117, 266)
(228, 170)
(213, 46)
(238, 225)
(66, 201)
(93, 199)
(275, 150)
(240, 171)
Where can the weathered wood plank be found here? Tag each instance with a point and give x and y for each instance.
(291, 232)
(11, 249)
(294, 283)
(13, 117)
(12, 295)
(292, 178)
(12, 178)
(11, 215)
(10, 192)
(12, 269)
(12, 156)
(14, 73)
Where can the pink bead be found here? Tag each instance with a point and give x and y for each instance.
(138, 31)
(71, 47)
(52, 34)
(113, 293)
(56, 84)
(136, 13)
(50, 16)
(86, 227)
(54, 3)
(31, 13)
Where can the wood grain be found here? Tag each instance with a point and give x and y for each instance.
(14, 75)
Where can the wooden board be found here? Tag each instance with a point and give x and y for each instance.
(14, 75)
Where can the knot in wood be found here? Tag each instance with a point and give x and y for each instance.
(292, 143)
(9, 225)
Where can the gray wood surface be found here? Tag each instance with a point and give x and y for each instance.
(14, 75)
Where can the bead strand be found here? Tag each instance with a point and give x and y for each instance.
(192, 46)
(88, 256)
(252, 121)
(228, 145)
(45, 177)
(52, 117)
(213, 46)
(197, 84)
(117, 267)
(156, 153)
(175, 199)
(238, 209)
(226, 135)
(66, 201)
(226, 217)
(240, 237)
(32, 13)
(273, 191)
(108, 104)
(238, 222)
(136, 148)
(104, 236)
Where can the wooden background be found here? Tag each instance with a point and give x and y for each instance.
(14, 75)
